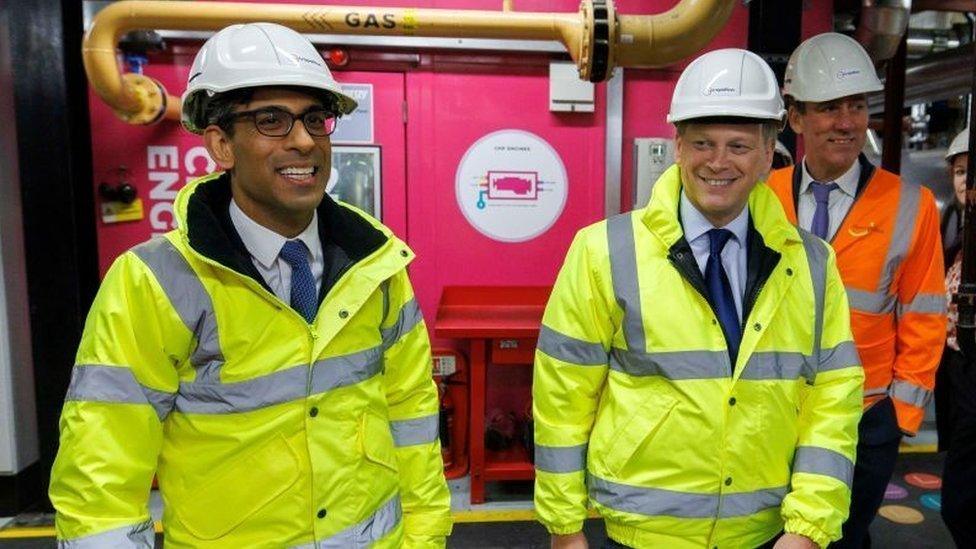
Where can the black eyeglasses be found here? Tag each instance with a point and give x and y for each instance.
(277, 122)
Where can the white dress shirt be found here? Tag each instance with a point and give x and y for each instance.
(264, 245)
(838, 203)
(734, 254)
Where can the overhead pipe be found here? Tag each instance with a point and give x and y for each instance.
(883, 23)
(922, 42)
(944, 5)
(597, 38)
(935, 77)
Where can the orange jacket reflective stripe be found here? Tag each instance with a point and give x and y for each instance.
(889, 254)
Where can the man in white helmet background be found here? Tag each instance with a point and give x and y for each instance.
(695, 379)
(885, 233)
(267, 360)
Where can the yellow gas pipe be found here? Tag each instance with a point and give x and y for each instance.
(597, 38)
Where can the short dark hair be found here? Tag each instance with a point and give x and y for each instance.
(800, 106)
(770, 128)
(222, 105)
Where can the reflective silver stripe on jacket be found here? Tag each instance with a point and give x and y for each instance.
(569, 349)
(623, 272)
(817, 256)
(821, 461)
(98, 383)
(904, 228)
(881, 300)
(910, 393)
(699, 364)
(844, 355)
(879, 303)
(410, 432)
(136, 536)
(672, 364)
(279, 387)
(368, 531)
(560, 459)
(875, 392)
(408, 318)
(659, 502)
(762, 365)
(924, 304)
(190, 300)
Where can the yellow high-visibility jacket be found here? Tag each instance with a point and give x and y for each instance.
(263, 430)
(639, 411)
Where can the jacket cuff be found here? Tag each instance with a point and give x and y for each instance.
(806, 529)
(418, 541)
(908, 423)
(563, 529)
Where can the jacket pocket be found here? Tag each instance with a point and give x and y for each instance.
(239, 490)
(637, 431)
(376, 440)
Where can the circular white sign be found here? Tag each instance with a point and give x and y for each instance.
(511, 185)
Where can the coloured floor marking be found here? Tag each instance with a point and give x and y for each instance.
(894, 491)
(924, 481)
(901, 514)
(932, 501)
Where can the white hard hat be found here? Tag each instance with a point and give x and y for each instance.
(829, 66)
(254, 55)
(959, 145)
(727, 82)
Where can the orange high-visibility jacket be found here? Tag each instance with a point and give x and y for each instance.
(889, 254)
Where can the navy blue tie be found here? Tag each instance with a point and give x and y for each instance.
(821, 219)
(720, 291)
(304, 298)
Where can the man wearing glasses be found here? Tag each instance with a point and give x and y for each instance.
(267, 360)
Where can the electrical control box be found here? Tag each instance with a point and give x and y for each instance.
(652, 155)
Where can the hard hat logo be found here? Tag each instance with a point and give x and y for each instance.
(844, 73)
(722, 91)
(307, 60)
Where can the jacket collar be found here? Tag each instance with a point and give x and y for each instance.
(766, 214)
(202, 212)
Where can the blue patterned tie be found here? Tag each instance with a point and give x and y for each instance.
(720, 291)
(821, 220)
(304, 298)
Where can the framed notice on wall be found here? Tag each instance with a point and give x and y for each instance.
(356, 179)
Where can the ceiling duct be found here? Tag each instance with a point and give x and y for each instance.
(883, 22)
(935, 77)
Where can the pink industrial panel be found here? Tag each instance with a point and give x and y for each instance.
(647, 97)
(448, 113)
(158, 160)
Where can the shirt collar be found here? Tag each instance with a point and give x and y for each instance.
(263, 244)
(846, 182)
(695, 224)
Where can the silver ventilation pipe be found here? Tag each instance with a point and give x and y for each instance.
(883, 22)
(935, 77)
